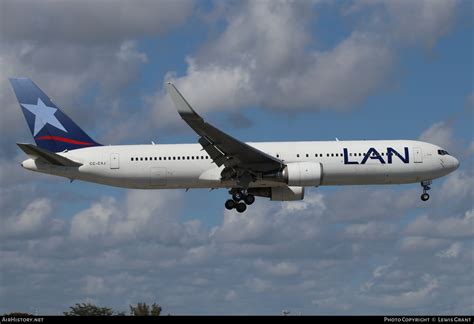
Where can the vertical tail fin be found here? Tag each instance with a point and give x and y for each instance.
(52, 129)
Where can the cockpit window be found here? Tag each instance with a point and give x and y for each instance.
(442, 152)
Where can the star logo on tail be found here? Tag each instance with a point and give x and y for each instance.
(43, 115)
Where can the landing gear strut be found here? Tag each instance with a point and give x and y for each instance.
(240, 200)
(426, 186)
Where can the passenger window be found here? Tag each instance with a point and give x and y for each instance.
(207, 157)
(307, 155)
(328, 155)
(131, 159)
(320, 155)
(297, 155)
(174, 157)
(278, 155)
(141, 159)
(332, 154)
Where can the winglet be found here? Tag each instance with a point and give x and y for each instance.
(182, 106)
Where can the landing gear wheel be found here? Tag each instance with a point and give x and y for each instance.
(237, 196)
(249, 199)
(425, 196)
(241, 207)
(230, 204)
(426, 186)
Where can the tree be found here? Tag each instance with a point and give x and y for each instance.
(155, 310)
(88, 309)
(142, 309)
(19, 314)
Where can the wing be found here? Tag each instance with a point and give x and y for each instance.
(222, 148)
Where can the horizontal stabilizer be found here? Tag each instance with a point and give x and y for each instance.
(48, 156)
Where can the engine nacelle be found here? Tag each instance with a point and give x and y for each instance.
(287, 193)
(303, 174)
(279, 193)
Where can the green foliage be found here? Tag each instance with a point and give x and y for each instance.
(18, 314)
(142, 309)
(155, 310)
(87, 309)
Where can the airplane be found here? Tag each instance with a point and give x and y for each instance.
(276, 170)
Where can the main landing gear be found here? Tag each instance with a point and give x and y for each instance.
(426, 186)
(240, 200)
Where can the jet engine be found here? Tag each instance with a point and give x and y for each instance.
(279, 193)
(304, 174)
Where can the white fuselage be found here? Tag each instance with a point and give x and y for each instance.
(188, 166)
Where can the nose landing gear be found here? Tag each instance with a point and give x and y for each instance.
(426, 186)
(240, 200)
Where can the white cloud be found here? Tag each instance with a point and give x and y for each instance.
(71, 48)
(440, 133)
(157, 257)
(280, 269)
(94, 285)
(267, 55)
(35, 220)
(89, 21)
(458, 186)
(313, 202)
(411, 299)
(258, 285)
(416, 244)
(422, 21)
(470, 101)
(94, 223)
(144, 246)
(142, 215)
(452, 252)
(248, 227)
(370, 231)
(231, 295)
(448, 227)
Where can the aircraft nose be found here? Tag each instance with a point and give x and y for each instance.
(455, 163)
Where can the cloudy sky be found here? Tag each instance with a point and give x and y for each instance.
(263, 71)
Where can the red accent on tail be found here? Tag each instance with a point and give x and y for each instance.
(63, 139)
